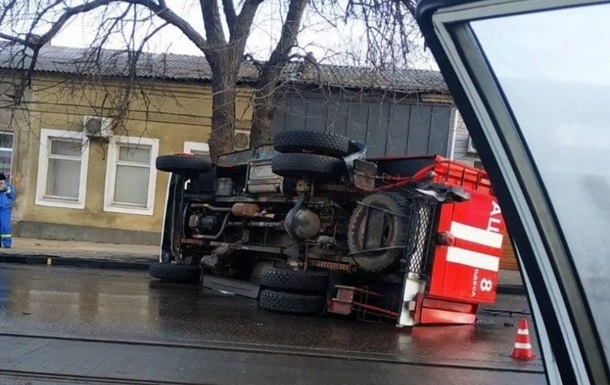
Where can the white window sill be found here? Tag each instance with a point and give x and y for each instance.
(125, 209)
(67, 204)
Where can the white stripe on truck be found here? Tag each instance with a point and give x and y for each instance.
(473, 259)
(476, 235)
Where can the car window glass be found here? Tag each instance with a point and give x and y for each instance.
(558, 89)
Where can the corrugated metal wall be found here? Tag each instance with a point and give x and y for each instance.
(386, 126)
(461, 142)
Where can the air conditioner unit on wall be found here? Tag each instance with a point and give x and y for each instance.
(97, 127)
(471, 148)
(241, 140)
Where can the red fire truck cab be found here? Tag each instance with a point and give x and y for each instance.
(309, 225)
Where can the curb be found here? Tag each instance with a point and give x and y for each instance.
(511, 289)
(28, 259)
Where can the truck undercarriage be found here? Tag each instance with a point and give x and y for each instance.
(320, 228)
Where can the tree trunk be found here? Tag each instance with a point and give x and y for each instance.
(264, 103)
(264, 107)
(223, 113)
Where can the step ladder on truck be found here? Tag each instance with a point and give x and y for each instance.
(310, 225)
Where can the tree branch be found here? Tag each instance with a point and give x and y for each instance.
(138, 53)
(125, 104)
(36, 44)
(14, 39)
(410, 5)
(211, 21)
(157, 8)
(266, 84)
(41, 14)
(244, 21)
(230, 15)
(290, 31)
(8, 7)
(115, 22)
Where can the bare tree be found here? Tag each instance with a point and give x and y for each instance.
(30, 24)
(33, 23)
(389, 35)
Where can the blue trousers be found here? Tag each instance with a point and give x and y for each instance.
(5, 227)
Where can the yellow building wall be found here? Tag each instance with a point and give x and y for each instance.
(172, 112)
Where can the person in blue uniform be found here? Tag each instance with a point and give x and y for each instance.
(7, 196)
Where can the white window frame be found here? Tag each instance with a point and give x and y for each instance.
(111, 168)
(46, 135)
(11, 149)
(189, 147)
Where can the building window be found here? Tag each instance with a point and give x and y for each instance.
(62, 169)
(6, 153)
(196, 148)
(131, 175)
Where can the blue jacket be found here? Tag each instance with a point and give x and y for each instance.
(7, 197)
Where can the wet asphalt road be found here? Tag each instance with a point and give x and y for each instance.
(70, 324)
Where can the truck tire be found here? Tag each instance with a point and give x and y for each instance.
(174, 272)
(296, 281)
(281, 302)
(317, 142)
(184, 163)
(307, 165)
(394, 229)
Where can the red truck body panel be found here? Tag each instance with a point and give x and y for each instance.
(468, 269)
(463, 268)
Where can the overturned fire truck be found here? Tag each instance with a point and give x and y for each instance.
(310, 225)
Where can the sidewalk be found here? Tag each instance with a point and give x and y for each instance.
(134, 257)
(511, 283)
(81, 254)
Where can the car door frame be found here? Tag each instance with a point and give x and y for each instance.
(553, 283)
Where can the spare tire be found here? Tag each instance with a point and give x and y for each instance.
(307, 165)
(184, 163)
(394, 231)
(281, 302)
(316, 142)
(306, 281)
(174, 272)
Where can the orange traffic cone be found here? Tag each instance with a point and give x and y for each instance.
(523, 346)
